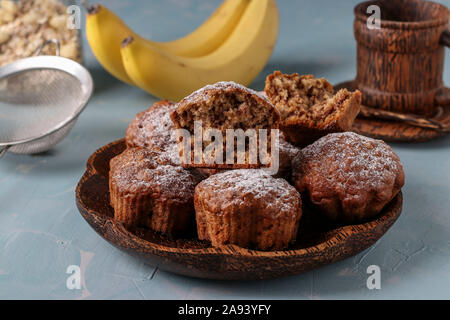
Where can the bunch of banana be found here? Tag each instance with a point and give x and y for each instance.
(234, 44)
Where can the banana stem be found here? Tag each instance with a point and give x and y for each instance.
(127, 41)
(94, 9)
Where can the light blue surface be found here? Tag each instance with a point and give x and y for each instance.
(42, 233)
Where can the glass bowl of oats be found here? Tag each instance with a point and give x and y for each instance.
(25, 25)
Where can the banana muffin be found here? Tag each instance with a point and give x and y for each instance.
(309, 107)
(153, 129)
(248, 208)
(146, 190)
(223, 106)
(347, 176)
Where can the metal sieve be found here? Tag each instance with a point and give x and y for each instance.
(41, 98)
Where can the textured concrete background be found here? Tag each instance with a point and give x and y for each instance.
(42, 233)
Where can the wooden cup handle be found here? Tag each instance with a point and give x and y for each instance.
(445, 38)
(443, 97)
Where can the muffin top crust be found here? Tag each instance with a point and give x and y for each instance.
(153, 129)
(270, 196)
(139, 170)
(204, 93)
(349, 166)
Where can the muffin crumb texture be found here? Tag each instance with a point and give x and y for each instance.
(309, 107)
(223, 106)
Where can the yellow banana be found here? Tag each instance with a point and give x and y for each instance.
(211, 34)
(241, 57)
(105, 31)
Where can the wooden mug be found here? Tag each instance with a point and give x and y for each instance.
(400, 65)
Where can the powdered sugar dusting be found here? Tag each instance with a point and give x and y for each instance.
(138, 170)
(203, 94)
(349, 163)
(172, 153)
(247, 187)
(175, 182)
(154, 129)
(287, 150)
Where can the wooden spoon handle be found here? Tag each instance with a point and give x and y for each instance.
(407, 118)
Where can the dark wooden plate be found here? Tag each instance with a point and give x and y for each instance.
(395, 131)
(319, 242)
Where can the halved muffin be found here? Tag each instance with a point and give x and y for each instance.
(224, 106)
(309, 107)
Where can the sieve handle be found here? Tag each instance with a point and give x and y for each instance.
(3, 151)
(46, 43)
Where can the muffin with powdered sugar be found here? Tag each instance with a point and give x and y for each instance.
(153, 129)
(347, 176)
(248, 208)
(147, 190)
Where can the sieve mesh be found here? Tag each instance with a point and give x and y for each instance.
(35, 102)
